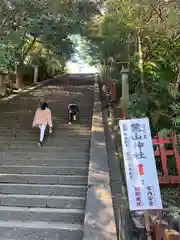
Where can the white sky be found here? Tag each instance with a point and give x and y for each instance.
(80, 67)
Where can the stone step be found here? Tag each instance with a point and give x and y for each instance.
(44, 189)
(18, 158)
(60, 134)
(21, 138)
(57, 125)
(42, 163)
(20, 169)
(43, 179)
(63, 104)
(55, 135)
(29, 117)
(54, 143)
(58, 143)
(48, 146)
(21, 125)
(16, 230)
(49, 149)
(45, 157)
(43, 201)
(57, 111)
(27, 108)
(41, 214)
(43, 154)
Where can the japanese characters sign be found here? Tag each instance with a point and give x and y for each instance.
(140, 167)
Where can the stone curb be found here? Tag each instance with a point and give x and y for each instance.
(99, 222)
(31, 88)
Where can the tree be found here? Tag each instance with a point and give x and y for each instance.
(144, 35)
(23, 23)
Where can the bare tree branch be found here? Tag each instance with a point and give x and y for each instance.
(154, 8)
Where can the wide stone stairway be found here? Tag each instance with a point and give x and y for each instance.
(43, 190)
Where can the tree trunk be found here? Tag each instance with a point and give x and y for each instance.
(141, 63)
(63, 66)
(49, 70)
(8, 81)
(53, 72)
(19, 75)
(1, 79)
(177, 84)
(2, 85)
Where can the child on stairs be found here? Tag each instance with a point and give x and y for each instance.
(73, 111)
(43, 118)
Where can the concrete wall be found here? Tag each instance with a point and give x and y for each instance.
(99, 220)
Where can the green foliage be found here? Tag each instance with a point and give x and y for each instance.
(27, 23)
(143, 35)
(7, 58)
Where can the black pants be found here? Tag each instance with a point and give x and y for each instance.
(71, 115)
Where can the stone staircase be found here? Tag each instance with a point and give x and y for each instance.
(43, 190)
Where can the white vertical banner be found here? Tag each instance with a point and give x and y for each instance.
(140, 168)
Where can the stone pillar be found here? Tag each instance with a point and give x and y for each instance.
(125, 92)
(35, 74)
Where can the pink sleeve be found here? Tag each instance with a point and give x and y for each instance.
(49, 118)
(34, 121)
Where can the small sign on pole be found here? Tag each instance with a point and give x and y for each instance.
(140, 168)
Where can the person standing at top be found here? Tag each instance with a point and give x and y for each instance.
(43, 118)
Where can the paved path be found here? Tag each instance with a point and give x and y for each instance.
(43, 190)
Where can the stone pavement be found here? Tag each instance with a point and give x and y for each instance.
(43, 190)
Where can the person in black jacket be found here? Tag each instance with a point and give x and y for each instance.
(73, 111)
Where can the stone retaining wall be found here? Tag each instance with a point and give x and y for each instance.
(99, 220)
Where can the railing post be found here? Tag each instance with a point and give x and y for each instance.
(170, 234)
(158, 228)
